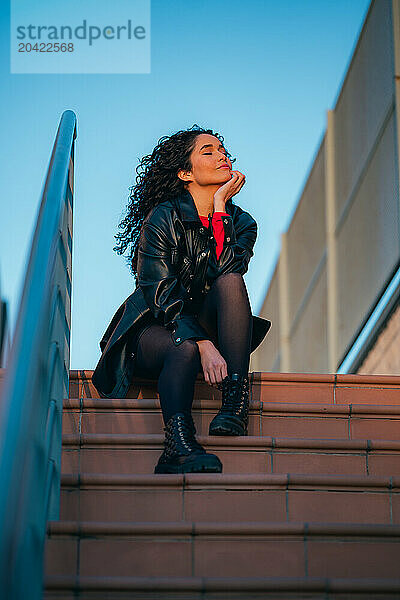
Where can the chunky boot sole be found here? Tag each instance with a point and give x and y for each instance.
(225, 425)
(205, 463)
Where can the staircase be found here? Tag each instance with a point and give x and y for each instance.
(307, 506)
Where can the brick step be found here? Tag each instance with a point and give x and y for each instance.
(256, 549)
(222, 588)
(122, 453)
(354, 421)
(274, 387)
(220, 497)
(328, 389)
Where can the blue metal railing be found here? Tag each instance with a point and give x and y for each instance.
(36, 381)
(376, 318)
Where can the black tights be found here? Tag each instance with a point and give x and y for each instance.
(225, 314)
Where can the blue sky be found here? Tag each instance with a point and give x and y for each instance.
(262, 73)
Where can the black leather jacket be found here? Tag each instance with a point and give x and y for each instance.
(176, 265)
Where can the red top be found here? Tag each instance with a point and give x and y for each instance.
(218, 229)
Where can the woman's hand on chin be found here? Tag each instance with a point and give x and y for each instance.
(228, 190)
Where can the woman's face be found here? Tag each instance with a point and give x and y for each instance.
(210, 164)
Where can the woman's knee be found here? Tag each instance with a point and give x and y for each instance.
(229, 282)
(231, 287)
(229, 278)
(187, 353)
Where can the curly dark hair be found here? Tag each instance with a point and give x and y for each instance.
(157, 181)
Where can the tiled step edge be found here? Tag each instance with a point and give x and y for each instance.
(267, 407)
(156, 440)
(142, 404)
(231, 481)
(378, 380)
(205, 584)
(264, 376)
(252, 528)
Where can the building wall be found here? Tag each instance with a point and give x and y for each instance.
(270, 347)
(343, 241)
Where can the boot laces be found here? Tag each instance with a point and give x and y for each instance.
(184, 433)
(233, 394)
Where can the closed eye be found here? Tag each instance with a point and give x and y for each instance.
(211, 153)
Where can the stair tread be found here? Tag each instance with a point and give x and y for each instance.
(134, 404)
(157, 439)
(246, 528)
(222, 480)
(261, 376)
(223, 583)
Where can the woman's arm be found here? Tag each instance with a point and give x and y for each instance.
(240, 230)
(240, 235)
(160, 283)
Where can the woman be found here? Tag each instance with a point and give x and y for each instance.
(189, 247)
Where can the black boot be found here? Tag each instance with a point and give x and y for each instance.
(233, 416)
(182, 452)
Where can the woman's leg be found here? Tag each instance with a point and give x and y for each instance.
(175, 367)
(226, 310)
(226, 316)
(227, 307)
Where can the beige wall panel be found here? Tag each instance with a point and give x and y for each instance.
(364, 100)
(265, 356)
(368, 241)
(308, 342)
(306, 236)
